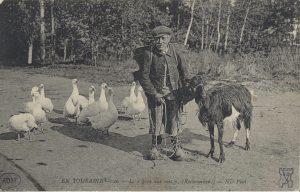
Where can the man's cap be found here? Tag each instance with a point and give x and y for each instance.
(161, 30)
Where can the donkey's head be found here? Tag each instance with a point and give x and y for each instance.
(192, 88)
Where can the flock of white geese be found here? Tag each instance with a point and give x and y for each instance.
(100, 114)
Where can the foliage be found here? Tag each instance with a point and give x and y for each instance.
(97, 30)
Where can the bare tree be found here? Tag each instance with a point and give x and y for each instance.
(42, 15)
(93, 41)
(202, 25)
(65, 49)
(227, 24)
(244, 23)
(190, 24)
(211, 38)
(218, 25)
(52, 33)
(97, 54)
(208, 26)
(30, 48)
(178, 15)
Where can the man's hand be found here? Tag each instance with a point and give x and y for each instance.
(159, 98)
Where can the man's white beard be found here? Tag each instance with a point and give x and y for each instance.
(163, 49)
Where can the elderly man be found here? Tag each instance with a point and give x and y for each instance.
(162, 72)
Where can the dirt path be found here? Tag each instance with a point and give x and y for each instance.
(67, 157)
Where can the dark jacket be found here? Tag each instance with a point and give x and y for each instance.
(152, 74)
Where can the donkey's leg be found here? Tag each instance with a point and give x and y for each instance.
(220, 141)
(247, 127)
(211, 136)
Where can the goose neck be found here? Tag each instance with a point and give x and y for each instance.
(43, 92)
(75, 90)
(91, 98)
(33, 99)
(132, 96)
(111, 105)
(132, 90)
(102, 95)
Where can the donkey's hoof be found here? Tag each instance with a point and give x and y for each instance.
(210, 154)
(221, 159)
(247, 146)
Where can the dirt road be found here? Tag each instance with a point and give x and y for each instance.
(67, 157)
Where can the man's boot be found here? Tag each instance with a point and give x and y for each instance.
(156, 142)
(178, 151)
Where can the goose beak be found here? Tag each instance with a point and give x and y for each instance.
(74, 81)
(110, 90)
(104, 85)
(92, 89)
(34, 89)
(34, 93)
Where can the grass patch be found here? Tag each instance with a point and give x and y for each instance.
(279, 70)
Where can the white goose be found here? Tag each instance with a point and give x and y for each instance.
(45, 102)
(232, 119)
(34, 89)
(132, 97)
(91, 94)
(94, 108)
(74, 102)
(102, 103)
(38, 113)
(83, 102)
(28, 106)
(137, 107)
(104, 120)
(23, 122)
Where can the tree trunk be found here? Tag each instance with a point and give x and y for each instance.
(97, 54)
(178, 20)
(122, 27)
(52, 34)
(211, 38)
(92, 52)
(65, 49)
(218, 25)
(207, 30)
(71, 50)
(227, 24)
(42, 15)
(30, 47)
(178, 15)
(191, 22)
(202, 25)
(244, 23)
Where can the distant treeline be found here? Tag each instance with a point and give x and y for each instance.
(89, 31)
